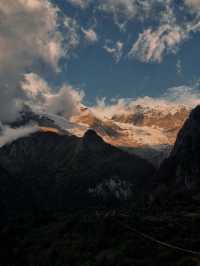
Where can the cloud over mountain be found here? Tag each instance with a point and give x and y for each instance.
(42, 98)
(28, 33)
(31, 37)
(9, 134)
(172, 99)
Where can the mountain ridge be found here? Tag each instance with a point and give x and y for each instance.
(55, 171)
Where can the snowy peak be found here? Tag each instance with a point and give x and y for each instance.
(140, 126)
(104, 127)
(154, 117)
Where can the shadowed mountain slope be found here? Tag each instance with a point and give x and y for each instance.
(180, 173)
(51, 172)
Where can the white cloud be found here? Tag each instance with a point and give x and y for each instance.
(90, 35)
(29, 30)
(9, 134)
(152, 45)
(42, 98)
(29, 33)
(71, 35)
(171, 26)
(184, 95)
(174, 99)
(116, 51)
(125, 7)
(127, 10)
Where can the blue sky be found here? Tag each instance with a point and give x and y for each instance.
(53, 52)
(95, 70)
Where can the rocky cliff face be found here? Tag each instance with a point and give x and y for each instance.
(49, 171)
(180, 173)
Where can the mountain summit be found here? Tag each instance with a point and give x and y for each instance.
(138, 127)
(91, 136)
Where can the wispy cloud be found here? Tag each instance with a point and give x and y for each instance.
(42, 98)
(172, 25)
(155, 42)
(71, 32)
(8, 134)
(125, 7)
(30, 35)
(174, 99)
(152, 45)
(115, 50)
(90, 35)
(130, 9)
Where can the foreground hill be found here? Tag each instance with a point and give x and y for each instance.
(100, 237)
(51, 171)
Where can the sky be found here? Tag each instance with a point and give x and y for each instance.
(130, 48)
(58, 54)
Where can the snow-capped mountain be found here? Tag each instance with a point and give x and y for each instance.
(142, 126)
(139, 126)
(148, 131)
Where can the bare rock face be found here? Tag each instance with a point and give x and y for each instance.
(180, 173)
